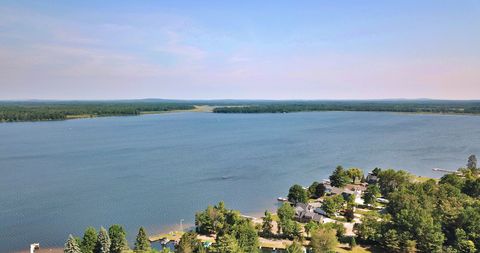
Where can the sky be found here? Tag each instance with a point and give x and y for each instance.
(218, 49)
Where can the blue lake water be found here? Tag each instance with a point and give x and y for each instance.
(57, 178)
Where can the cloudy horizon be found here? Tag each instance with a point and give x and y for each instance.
(250, 50)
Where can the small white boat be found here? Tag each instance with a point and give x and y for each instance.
(282, 199)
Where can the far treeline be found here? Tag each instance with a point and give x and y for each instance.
(409, 106)
(42, 111)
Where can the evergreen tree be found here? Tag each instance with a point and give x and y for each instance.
(226, 244)
(71, 246)
(472, 162)
(142, 244)
(188, 243)
(103, 242)
(339, 177)
(118, 238)
(89, 240)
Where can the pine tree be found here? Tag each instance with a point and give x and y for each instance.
(71, 246)
(103, 242)
(89, 240)
(141, 243)
(118, 238)
(472, 162)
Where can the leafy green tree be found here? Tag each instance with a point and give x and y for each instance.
(337, 227)
(188, 243)
(391, 242)
(453, 179)
(472, 187)
(103, 242)
(339, 177)
(371, 194)
(286, 211)
(332, 205)
(118, 238)
(369, 228)
(212, 220)
(142, 244)
(312, 188)
(89, 240)
(286, 226)
(267, 224)
(71, 246)
(323, 240)
(354, 174)
(391, 180)
(463, 244)
(226, 244)
(295, 247)
(320, 190)
(310, 226)
(297, 194)
(246, 236)
(297, 232)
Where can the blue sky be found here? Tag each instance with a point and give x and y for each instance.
(240, 49)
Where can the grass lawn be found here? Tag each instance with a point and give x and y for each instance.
(420, 179)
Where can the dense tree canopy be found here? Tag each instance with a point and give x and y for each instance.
(297, 194)
(34, 111)
(425, 217)
(426, 106)
(355, 174)
(339, 177)
(323, 241)
(229, 227)
(331, 205)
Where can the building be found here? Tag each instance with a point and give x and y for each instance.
(305, 213)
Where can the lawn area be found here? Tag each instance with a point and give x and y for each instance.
(357, 249)
(420, 179)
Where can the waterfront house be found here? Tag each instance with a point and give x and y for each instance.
(305, 213)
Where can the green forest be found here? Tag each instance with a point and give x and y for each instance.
(410, 106)
(42, 111)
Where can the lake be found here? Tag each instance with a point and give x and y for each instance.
(59, 177)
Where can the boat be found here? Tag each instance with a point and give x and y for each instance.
(282, 199)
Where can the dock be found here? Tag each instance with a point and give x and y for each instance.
(444, 170)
